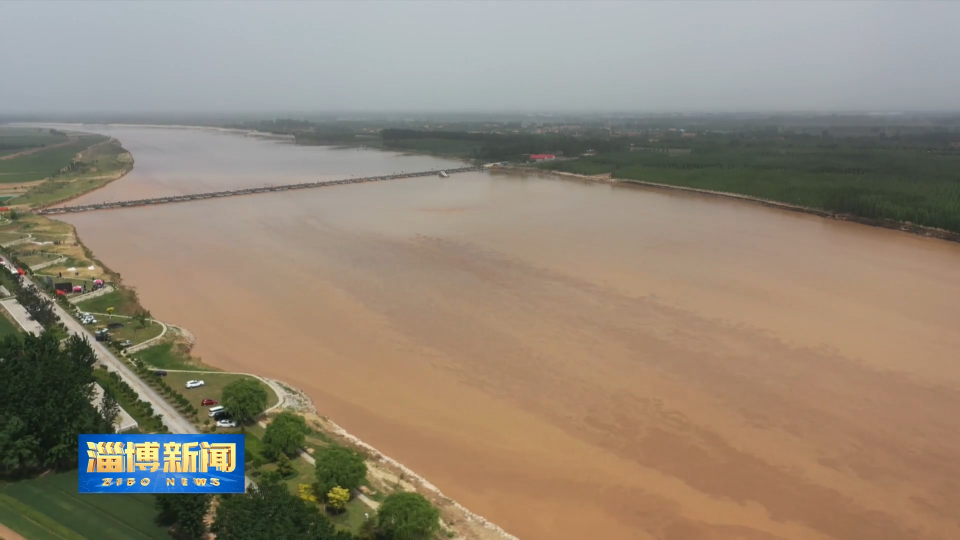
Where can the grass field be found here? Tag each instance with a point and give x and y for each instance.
(123, 302)
(212, 389)
(10, 236)
(49, 507)
(165, 356)
(37, 258)
(131, 329)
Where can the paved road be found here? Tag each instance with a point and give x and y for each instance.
(171, 418)
(23, 318)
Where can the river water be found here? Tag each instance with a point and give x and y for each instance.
(571, 360)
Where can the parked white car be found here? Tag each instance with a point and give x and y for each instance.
(226, 423)
(194, 384)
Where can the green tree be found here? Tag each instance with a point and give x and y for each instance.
(109, 408)
(407, 516)
(285, 467)
(269, 510)
(185, 510)
(339, 466)
(45, 402)
(245, 399)
(284, 435)
(142, 316)
(337, 498)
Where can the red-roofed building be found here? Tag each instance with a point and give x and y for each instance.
(542, 157)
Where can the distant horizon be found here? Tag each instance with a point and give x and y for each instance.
(299, 114)
(493, 57)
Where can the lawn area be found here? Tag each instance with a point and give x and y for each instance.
(305, 474)
(351, 519)
(165, 356)
(8, 236)
(131, 329)
(38, 258)
(124, 302)
(213, 387)
(7, 327)
(50, 507)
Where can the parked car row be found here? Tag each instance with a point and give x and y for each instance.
(217, 412)
(221, 415)
(87, 318)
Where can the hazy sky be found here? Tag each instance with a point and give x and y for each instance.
(519, 55)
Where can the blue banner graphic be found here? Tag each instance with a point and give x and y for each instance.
(161, 464)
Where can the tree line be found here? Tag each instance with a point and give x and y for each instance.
(46, 393)
(507, 147)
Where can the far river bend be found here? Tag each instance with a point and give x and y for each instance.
(570, 360)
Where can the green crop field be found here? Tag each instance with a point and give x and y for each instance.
(50, 507)
(45, 163)
(16, 139)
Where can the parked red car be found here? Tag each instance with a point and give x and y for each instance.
(208, 402)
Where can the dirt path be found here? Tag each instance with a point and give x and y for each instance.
(70, 140)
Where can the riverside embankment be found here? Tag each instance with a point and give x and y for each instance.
(571, 360)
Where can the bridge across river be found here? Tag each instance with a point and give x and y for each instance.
(246, 191)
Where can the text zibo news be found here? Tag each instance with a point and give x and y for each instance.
(209, 463)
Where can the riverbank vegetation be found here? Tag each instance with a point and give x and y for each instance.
(907, 179)
(487, 147)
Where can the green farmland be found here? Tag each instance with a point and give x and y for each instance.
(45, 163)
(15, 139)
(49, 507)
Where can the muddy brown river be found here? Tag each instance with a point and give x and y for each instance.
(570, 360)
